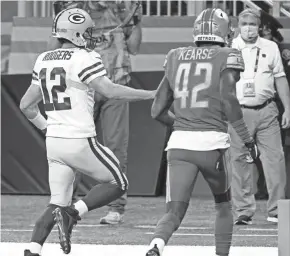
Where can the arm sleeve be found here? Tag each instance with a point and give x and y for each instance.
(278, 69)
(35, 79)
(91, 67)
(235, 60)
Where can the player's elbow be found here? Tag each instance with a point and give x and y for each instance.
(103, 86)
(23, 106)
(108, 94)
(232, 108)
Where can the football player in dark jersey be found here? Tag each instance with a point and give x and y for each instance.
(200, 82)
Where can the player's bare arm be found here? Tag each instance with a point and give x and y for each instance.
(162, 103)
(107, 88)
(29, 106)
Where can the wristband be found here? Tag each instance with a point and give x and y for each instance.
(39, 121)
(242, 130)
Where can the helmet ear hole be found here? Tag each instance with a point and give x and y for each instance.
(78, 34)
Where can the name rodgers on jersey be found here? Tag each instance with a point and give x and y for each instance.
(196, 54)
(58, 55)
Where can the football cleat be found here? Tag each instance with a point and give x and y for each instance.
(29, 253)
(153, 252)
(66, 218)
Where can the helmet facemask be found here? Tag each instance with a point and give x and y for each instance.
(91, 41)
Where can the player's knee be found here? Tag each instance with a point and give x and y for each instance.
(223, 197)
(123, 186)
(122, 182)
(224, 210)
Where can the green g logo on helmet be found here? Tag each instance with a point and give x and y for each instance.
(77, 18)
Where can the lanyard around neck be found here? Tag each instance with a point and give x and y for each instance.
(257, 61)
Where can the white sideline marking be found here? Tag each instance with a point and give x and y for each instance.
(204, 228)
(259, 229)
(185, 228)
(84, 225)
(183, 234)
(26, 230)
(16, 249)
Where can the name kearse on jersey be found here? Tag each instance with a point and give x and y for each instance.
(196, 54)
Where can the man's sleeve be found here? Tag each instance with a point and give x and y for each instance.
(278, 68)
(91, 67)
(235, 60)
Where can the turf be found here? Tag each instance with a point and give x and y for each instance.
(20, 212)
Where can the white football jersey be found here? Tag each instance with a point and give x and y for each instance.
(63, 76)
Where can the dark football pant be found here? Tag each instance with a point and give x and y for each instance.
(182, 171)
(184, 166)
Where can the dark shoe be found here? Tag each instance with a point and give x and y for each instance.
(65, 218)
(153, 252)
(29, 253)
(243, 220)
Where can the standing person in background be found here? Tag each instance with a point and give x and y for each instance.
(115, 49)
(256, 92)
(269, 30)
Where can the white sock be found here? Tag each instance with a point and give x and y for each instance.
(81, 207)
(35, 248)
(160, 244)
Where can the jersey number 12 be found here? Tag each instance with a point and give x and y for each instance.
(61, 87)
(184, 69)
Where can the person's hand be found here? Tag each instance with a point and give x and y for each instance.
(285, 119)
(253, 150)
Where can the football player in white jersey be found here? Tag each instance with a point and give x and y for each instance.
(66, 79)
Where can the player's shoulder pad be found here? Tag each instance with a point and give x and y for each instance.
(235, 59)
(39, 58)
(89, 53)
(167, 57)
(173, 52)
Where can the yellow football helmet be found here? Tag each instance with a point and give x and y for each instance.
(74, 25)
(212, 25)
